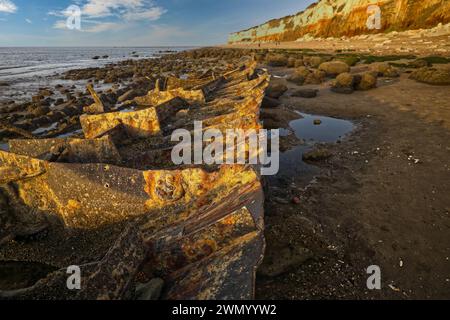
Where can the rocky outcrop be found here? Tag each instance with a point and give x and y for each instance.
(337, 18)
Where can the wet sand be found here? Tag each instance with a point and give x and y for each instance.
(381, 199)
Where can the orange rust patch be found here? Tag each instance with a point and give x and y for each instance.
(73, 205)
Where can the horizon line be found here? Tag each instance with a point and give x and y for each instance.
(81, 46)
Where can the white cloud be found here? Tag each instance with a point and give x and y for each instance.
(103, 8)
(151, 14)
(7, 6)
(102, 27)
(126, 9)
(122, 10)
(28, 21)
(60, 24)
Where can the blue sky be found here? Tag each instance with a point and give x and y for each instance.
(135, 22)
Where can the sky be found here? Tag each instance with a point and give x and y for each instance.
(134, 22)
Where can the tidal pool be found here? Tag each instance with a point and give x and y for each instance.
(330, 130)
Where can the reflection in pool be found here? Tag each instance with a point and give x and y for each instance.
(330, 130)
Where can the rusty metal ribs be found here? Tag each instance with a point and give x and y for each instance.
(199, 229)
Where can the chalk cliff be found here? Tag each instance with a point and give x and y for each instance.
(336, 18)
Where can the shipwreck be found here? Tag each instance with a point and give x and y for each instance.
(110, 201)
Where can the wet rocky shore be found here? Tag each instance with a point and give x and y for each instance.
(54, 111)
(321, 233)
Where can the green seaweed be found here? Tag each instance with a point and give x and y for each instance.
(371, 59)
(436, 60)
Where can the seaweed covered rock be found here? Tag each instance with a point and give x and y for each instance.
(334, 68)
(299, 76)
(314, 61)
(344, 83)
(276, 60)
(385, 70)
(433, 76)
(319, 154)
(366, 81)
(419, 63)
(291, 62)
(303, 76)
(347, 83)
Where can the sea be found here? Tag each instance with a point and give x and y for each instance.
(26, 69)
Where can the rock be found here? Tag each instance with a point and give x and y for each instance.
(95, 57)
(270, 103)
(433, 76)
(4, 84)
(37, 98)
(291, 62)
(384, 70)
(47, 102)
(182, 113)
(344, 83)
(315, 77)
(299, 63)
(317, 155)
(317, 122)
(303, 76)
(283, 261)
(314, 61)
(150, 291)
(45, 92)
(276, 90)
(40, 121)
(55, 115)
(59, 101)
(71, 111)
(367, 81)
(305, 93)
(334, 68)
(40, 111)
(419, 63)
(343, 90)
(278, 118)
(276, 60)
(299, 76)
